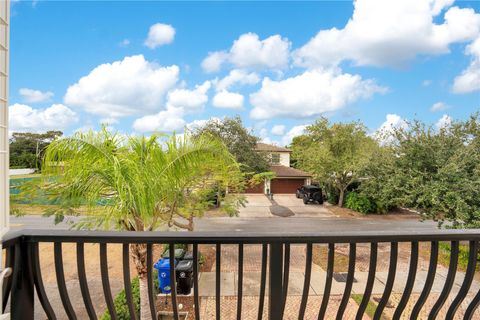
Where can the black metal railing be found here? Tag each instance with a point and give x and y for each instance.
(22, 255)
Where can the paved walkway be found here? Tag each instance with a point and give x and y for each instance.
(251, 284)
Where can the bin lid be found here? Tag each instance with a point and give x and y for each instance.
(188, 255)
(178, 254)
(184, 265)
(163, 264)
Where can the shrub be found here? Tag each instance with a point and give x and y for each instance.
(332, 194)
(360, 203)
(120, 300)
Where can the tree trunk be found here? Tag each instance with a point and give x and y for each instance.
(139, 254)
(144, 304)
(340, 198)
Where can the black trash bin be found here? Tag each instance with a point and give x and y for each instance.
(184, 276)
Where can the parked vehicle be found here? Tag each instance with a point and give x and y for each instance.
(309, 194)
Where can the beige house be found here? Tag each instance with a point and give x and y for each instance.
(287, 179)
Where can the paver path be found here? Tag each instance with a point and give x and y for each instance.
(251, 285)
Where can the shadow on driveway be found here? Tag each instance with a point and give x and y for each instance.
(280, 211)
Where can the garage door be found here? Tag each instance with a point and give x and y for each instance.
(286, 185)
(255, 189)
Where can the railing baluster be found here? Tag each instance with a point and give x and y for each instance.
(328, 281)
(372, 267)
(452, 269)
(62, 288)
(467, 282)
(127, 283)
(218, 279)
(195, 282)
(7, 284)
(306, 283)
(275, 294)
(173, 279)
(82, 279)
(107, 292)
(263, 280)
(392, 269)
(286, 275)
(432, 270)
(151, 290)
(412, 272)
(349, 284)
(472, 307)
(240, 281)
(22, 300)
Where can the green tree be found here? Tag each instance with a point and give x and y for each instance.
(239, 141)
(26, 148)
(143, 183)
(432, 170)
(334, 153)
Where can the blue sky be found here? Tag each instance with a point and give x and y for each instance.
(150, 66)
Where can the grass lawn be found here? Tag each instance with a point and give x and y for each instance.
(371, 306)
(22, 176)
(40, 209)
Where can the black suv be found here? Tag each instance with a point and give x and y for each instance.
(310, 194)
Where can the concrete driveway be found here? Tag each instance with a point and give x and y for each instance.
(282, 205)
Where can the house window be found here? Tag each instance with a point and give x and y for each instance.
(275, 158)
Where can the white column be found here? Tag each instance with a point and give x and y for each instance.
(4, 66)
(4, 179)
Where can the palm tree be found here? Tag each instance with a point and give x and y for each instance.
(141, 183)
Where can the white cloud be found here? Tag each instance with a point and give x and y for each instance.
(384, 134)
(196, 124)
(228, 100)
(248, 51)
(214, 61)
(278, 130)
(469, 79)
(439, 106)
(32, 96)
(189, 100)
(426, 83)
(122, 88)
(390, 33)
(237, 76)
(179, 103)
(124, 43)
(292, 133)
(23, 118)
(310, 94)
(444, 122)
(168, 120)
(159, 34)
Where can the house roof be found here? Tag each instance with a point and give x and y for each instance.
(288, 172)
(269, 147)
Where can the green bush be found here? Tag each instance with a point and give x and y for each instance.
(121, 300)
(332, 194)
(360, 203)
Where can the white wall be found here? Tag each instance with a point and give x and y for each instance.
(285, 159)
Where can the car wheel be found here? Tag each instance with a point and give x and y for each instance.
(305, 200)
(318, 198)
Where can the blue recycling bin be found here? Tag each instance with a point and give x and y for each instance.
(163, 267)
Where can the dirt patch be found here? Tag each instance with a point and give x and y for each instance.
(208, 253)
(185, 304)
(394, 214)
(343, 212)
(320, 258)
